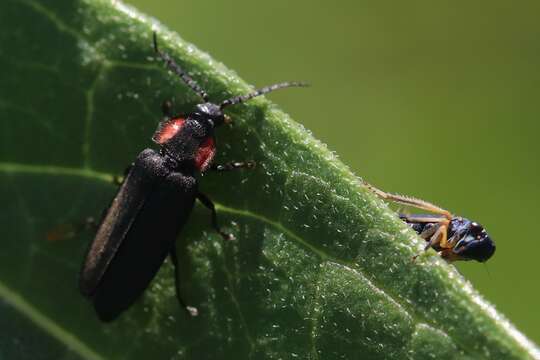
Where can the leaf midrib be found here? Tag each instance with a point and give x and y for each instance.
(52, 328)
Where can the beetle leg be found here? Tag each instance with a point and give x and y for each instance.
(440, 238)
(410, 201)
(435, 239)
(174, 258)
(422, 218)
(428, 231)
(233, 165)
(443, 242)
(453, 241)
(436, 222)
(210, 205)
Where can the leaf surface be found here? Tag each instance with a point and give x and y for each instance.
(320, 269)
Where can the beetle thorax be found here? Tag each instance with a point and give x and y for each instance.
(188, 141)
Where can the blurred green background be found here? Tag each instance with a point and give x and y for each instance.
(434, 99)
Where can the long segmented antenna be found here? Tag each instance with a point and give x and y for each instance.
(261, 91)
(175, 68)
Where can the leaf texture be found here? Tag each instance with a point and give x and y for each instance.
(320, 269)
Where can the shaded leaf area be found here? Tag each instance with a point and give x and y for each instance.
(24, 334)
(320, 268)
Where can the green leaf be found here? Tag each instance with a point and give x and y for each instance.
(320, 269)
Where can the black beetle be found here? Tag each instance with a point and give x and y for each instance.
(139, 229)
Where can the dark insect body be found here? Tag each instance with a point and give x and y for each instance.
(453, 237)
(140, 227)
(466, 240)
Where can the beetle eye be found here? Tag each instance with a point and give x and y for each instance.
(477, 230)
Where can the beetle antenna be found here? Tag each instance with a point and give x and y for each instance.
(261, 91)
(175, 68)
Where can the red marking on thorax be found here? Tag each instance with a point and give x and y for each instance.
(205, 154)
(168, 129)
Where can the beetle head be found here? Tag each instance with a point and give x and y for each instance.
(209, 115)
(475, 244)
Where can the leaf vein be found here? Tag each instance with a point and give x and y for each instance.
(42, 321)
(40, 169)
(236, 304)
(60, 25)
(89, 97)
(326, 257)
